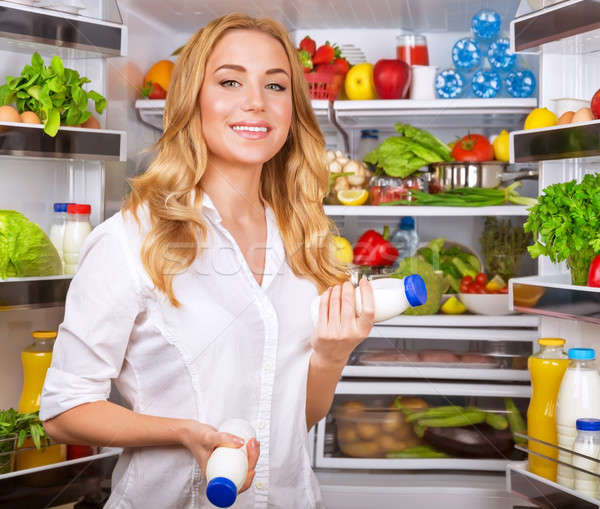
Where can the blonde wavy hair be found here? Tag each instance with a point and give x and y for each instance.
(293, 183)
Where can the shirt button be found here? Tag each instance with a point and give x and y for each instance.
(259, 485)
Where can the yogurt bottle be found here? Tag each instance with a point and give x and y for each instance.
(392, 295)
(579, 397)
(588, 443)
(227, 467)
(77, 229)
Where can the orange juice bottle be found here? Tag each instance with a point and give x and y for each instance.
(36, 360)
(547, 367)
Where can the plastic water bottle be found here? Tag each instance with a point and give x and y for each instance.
(405, 238)
(449, 84)
(227, 467)
(486, 84)
(466, 53)
(520, 83)
(500, 56)
(486, 24)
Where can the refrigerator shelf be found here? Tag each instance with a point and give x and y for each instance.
(424, 211)
(557, 142)
(60, 483)
(556, 297)
(570, 26)
(33, 292)
(51, 32)
(464, 320)
(29, 140)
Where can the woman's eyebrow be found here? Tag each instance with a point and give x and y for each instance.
(240, 68)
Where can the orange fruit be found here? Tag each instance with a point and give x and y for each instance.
(160, 73)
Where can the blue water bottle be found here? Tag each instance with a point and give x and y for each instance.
(486, 84)
(486, 24)
(466, 53)
(500, 56)
(520, 83)
(449, 84)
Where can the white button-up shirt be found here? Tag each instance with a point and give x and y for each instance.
(233, 348)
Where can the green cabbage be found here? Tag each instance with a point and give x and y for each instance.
(25, 250)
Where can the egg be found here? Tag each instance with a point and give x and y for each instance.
(566, 118)
(91, 123)
(29, 117)
(583, 115)
(9, 114)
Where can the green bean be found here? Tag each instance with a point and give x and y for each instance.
(440, 411)
(496, 421)
(464, 419)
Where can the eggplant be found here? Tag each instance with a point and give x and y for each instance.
(478, 441)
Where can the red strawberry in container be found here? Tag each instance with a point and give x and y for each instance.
(308, 45)
(326, 54)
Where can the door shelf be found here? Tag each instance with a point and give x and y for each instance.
(416, 371)
(61, 483)
(33, 292)
(465, 320)
(423, 211)
(542, 492)
(28, 140)
(555, 296)
(557, 142)
(575, 21)
(27, 29)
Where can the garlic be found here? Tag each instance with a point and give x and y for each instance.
(351, 167)
(335, 167)
(341, 184)
(330, 156)
(338, 154)
(356, 180)
(342, 160)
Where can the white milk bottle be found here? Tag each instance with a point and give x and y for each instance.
(392, 295)
(588, 443)
(77, 229)
(579, 397)
(57, 230)
(227, 467)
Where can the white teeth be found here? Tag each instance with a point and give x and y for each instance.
(249, 128)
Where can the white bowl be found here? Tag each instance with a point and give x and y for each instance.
(492, 304)
(565, 104)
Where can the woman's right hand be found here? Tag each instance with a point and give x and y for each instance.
(202, 439)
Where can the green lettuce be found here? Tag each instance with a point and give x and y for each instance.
(435, 283)
(25, 250)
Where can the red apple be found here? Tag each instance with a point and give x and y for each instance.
(595, 104)
(392, 78)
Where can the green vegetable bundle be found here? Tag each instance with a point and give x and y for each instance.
(24, 426)
(54, 94)
(503, 244)
(401, 156)
(566, 223)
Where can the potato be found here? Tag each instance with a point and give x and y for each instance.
(354, 407)
(347, 433)
(392, 421)
(405, 432)
(412, 402)
(369, 449)
(389, 443)
(368, 430)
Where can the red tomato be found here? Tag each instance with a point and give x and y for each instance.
(504, 290)
(464, 288)
(476, 288)
(473, 147)
(466, 280)
(481, 279)
(78, 451)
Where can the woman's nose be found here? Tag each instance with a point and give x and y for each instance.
(254, 100)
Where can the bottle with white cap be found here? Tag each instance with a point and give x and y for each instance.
(392, 296)
(588, 443)
(227, 467)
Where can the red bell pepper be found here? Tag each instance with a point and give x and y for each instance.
(594, 272)
(373, 249)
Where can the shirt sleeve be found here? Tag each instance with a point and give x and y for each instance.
(102, 304)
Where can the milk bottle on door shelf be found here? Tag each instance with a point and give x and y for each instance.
(588, 443)
(227, 467)
(77, 229)
(579, 397)
(393, 296)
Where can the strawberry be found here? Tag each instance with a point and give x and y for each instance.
(153, 91)
(341, 65)
(307, 44)
(326, 54)
(305, 60)
(325, 67)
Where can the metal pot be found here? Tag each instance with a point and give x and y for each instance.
(455, 175)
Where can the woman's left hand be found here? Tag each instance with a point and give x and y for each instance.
(339, 329)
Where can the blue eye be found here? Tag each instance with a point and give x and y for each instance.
(230, 83)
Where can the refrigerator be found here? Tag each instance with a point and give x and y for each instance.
(114, 43)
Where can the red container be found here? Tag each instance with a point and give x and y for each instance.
(412, 49)
(383, 189)
(324, 84)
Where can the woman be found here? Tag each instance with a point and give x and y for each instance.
(195, 297)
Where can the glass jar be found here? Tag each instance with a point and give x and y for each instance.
(412, 49)
(383, 189)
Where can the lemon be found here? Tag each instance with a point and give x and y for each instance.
(540, 117)
(343, 249)
(453, 307)
(353, 196)
(502, 146)
(495, 284)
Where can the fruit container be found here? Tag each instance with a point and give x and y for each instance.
(383, 189)
(324, 84)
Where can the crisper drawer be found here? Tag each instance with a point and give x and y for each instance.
(366, 430)
(443, 353)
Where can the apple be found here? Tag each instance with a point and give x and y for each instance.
(392, 78)
(359, 83)
(595, 104)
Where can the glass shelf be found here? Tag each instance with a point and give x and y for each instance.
(573, 25)
(89, 34)
(33, 292)
(556, 297)
(420, 211)
(29, 140)
(558, 142)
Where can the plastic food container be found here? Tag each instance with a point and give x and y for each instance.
(564, 104)
(384, 189)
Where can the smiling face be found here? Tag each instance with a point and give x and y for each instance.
(246, 99)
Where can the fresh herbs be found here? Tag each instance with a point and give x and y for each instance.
(503, 244)
(24, 426)
(53, 93)
(566, 223)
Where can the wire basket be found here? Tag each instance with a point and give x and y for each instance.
(324, 84)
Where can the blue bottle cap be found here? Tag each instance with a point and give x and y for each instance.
(582, 354)
(588, 424)
(60, 207)
(415, 290)
(407, 223)
(221, 492)
(369, 133)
